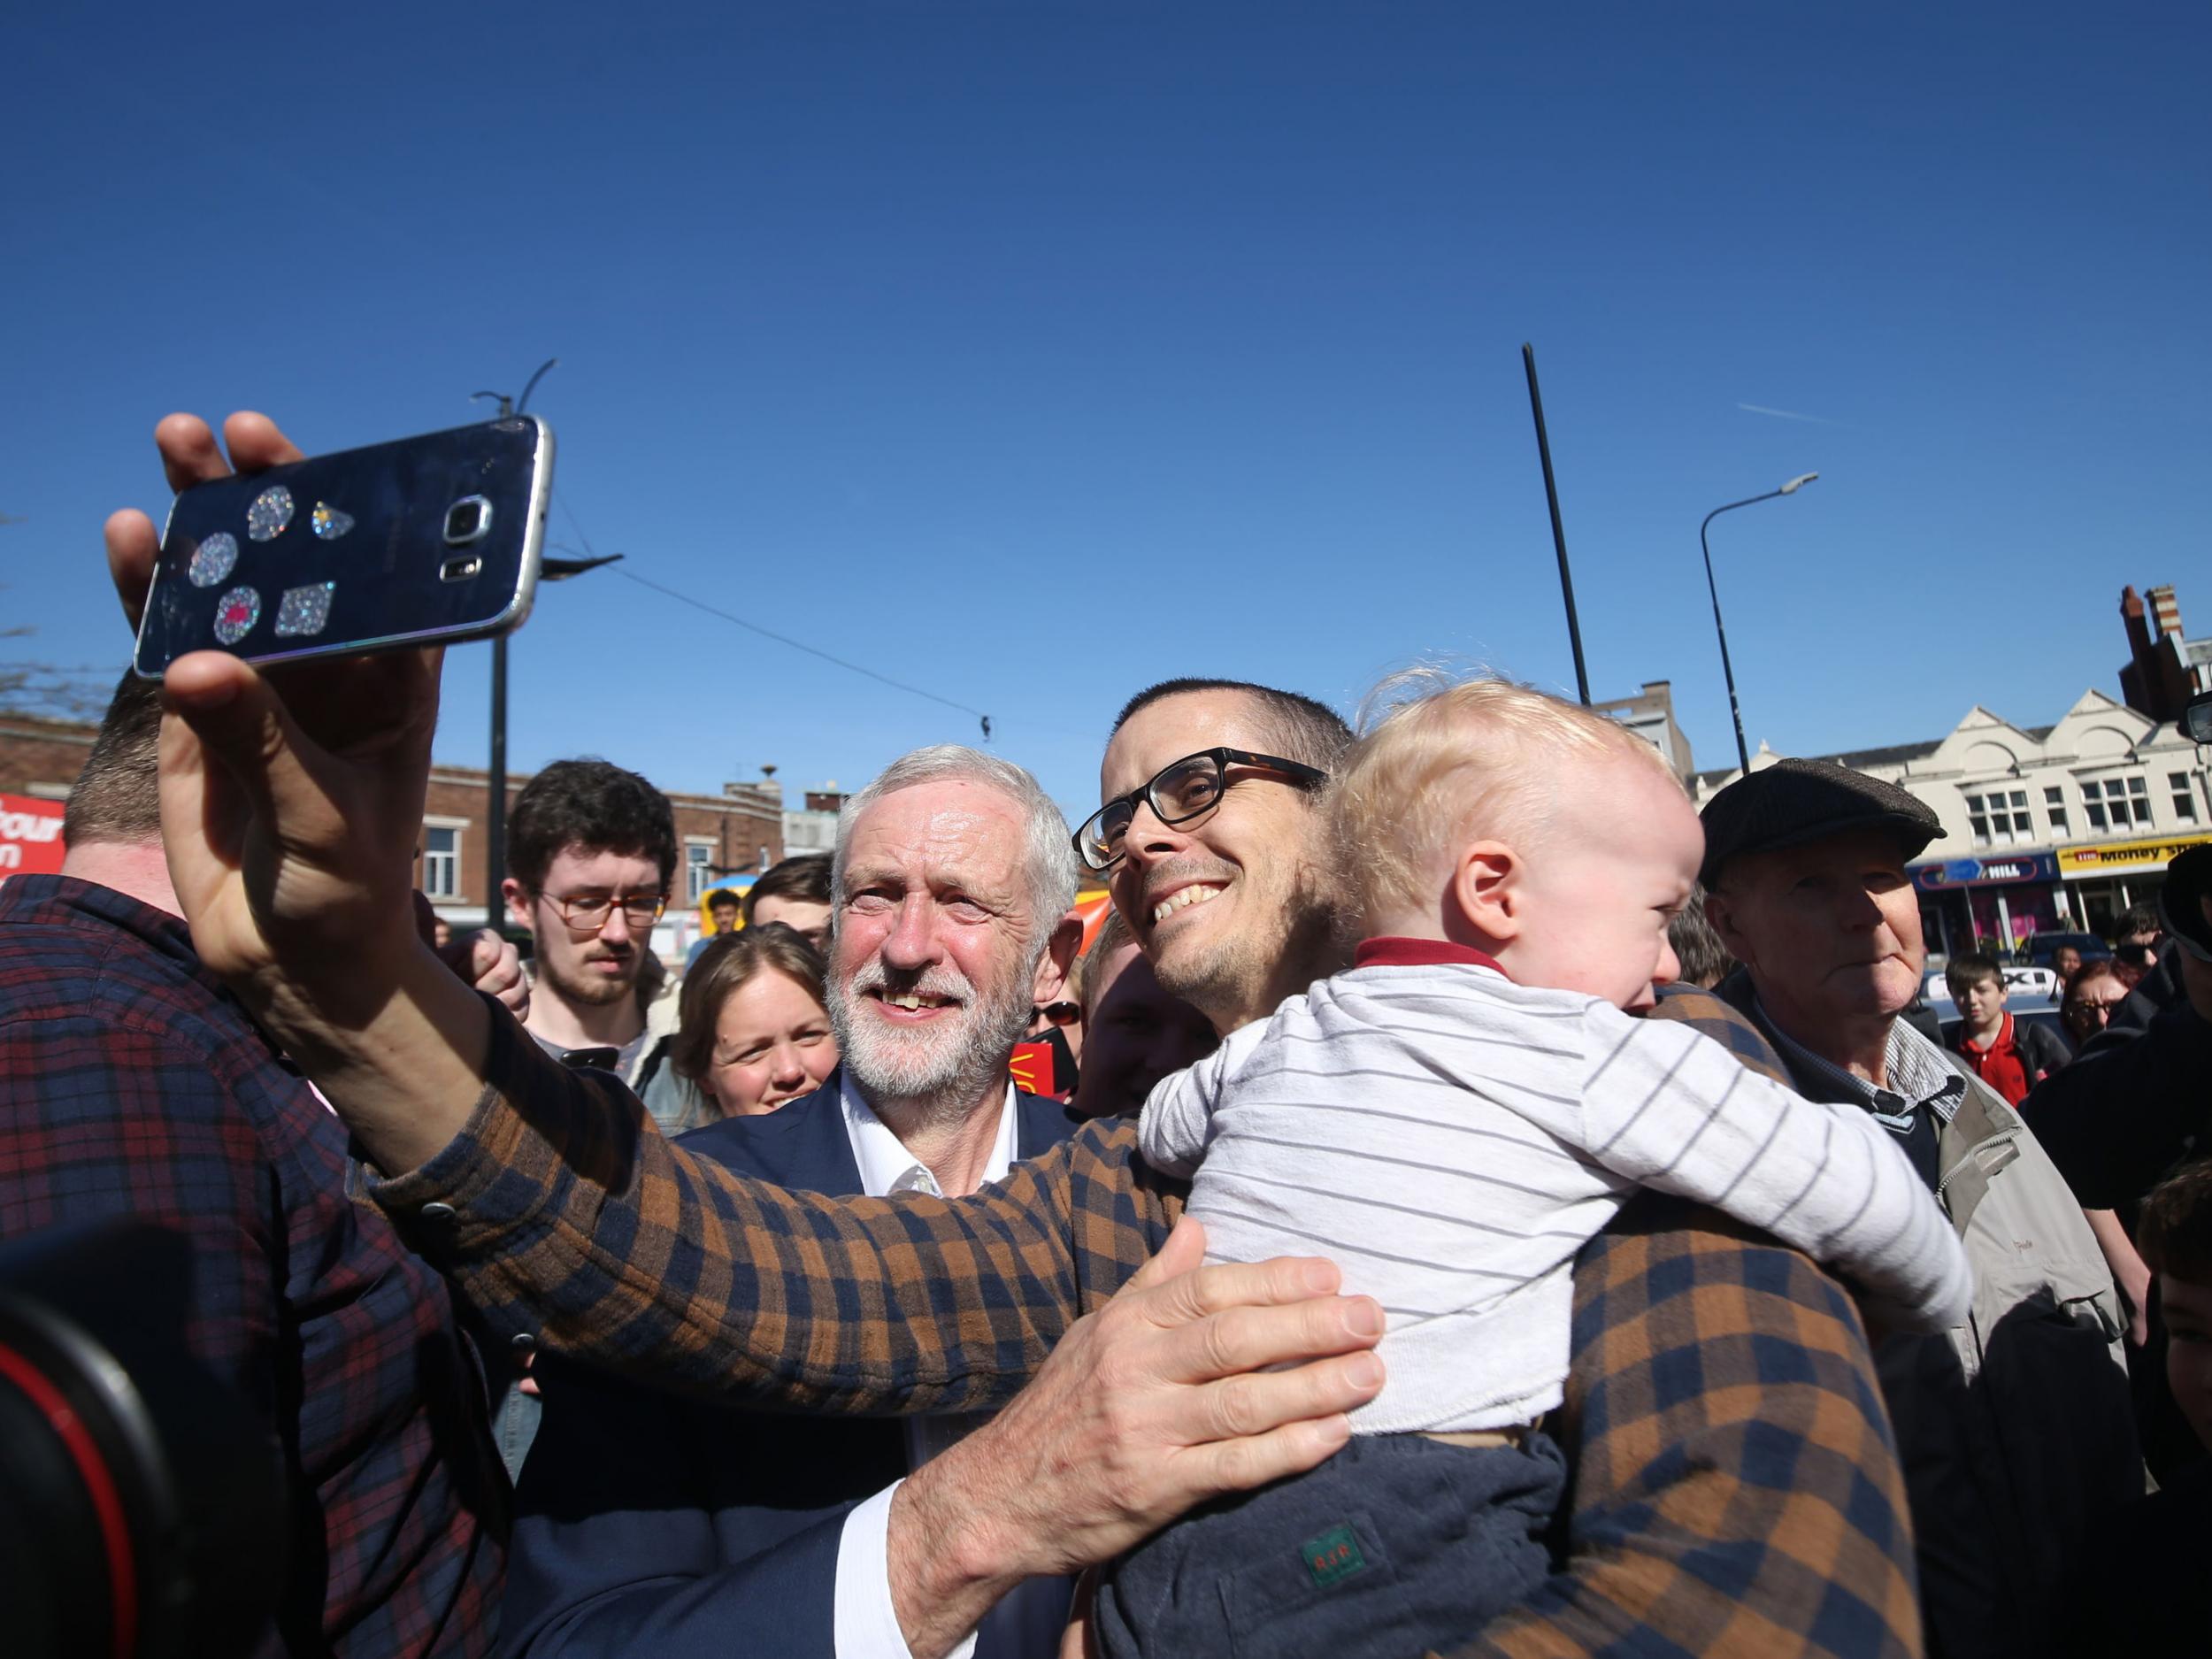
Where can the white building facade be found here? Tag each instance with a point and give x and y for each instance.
(2045, 828)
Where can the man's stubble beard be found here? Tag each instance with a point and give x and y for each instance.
(1244, 977)
(590, 990)
(943, 1076)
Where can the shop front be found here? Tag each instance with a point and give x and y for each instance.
(2103, 877)
(1992, 904)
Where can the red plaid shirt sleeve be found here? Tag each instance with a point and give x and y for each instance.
(131, 1085)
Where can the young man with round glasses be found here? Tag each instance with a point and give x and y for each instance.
(590, 851)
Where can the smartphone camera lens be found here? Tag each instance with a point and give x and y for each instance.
(467, 520)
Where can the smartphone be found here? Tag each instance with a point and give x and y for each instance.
(428, 540)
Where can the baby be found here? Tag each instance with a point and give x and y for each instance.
(1451, 1120)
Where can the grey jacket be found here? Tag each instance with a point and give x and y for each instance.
(2014, 1429)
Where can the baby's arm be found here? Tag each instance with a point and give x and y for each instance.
(1172, 1133)
(1673, 1109)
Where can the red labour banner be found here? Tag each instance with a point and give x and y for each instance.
(30, 836)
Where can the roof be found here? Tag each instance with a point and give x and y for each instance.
(1857, 759)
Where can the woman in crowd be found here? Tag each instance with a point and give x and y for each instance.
(2088, 1000)
(752, 1032)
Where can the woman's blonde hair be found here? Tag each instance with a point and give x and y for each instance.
(1441, 760)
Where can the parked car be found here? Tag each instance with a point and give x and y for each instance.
(2041, 947)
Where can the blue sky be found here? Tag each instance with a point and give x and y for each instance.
(1031, 353)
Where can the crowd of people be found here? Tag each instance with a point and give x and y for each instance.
(1489, 1206)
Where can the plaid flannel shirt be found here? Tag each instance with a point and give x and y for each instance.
(1735, 1489)
(131, 1084)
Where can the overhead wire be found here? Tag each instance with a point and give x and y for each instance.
(681, 597)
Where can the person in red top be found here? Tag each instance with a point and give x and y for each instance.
(2011, 1058)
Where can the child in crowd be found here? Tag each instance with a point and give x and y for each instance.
(2011, 1058)
(1451, 1120)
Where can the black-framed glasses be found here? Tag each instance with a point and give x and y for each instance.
(590, 912)
(1177, 792)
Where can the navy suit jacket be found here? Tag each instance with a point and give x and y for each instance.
(650, 1523)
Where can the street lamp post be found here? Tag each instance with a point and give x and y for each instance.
(549, 570)
(1743, 755)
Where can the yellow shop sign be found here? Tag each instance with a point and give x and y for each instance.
(2121, 856)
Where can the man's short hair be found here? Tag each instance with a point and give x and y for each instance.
(722, 897)
(117, 797)
(1050, 853)
(1697, 944)
(2137, 918)
(1300, 729)
(801, 880)
(1113, 934)
(593, 804)
(1968, 970)
(2173, 1230)
(1444, 756)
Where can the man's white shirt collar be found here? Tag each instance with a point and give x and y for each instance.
(887, 1167)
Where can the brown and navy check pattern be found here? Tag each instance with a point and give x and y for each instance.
(131, 1084)
(1735, 1487)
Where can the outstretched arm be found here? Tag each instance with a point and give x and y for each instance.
(1674, 1110)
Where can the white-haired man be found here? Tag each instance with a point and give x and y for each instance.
(650, 1523)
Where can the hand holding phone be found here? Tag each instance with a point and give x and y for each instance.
(428, 540)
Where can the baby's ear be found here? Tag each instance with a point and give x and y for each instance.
(1486, 889)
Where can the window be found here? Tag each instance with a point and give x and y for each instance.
(695, 875)
(2185, 799)
(2054, 809)
(2115, 803)
(441, 863)
(1999, 817)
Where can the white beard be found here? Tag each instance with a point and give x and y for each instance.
(951, 1062)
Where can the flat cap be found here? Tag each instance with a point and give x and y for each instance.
(1794, 801)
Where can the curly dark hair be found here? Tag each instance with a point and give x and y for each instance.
(593, 804)
(725, 966)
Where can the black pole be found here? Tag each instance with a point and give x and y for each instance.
(1728, 674)
(1558, 530)
(496, 808)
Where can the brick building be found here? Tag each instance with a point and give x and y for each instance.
(40, 758)
(717, 834)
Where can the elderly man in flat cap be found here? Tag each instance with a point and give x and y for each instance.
(2013, 1429)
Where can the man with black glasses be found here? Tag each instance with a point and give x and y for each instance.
(590, 851)
(1735, 1483)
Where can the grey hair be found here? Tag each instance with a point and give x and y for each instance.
(1051, 864)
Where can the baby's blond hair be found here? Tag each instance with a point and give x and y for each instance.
(1447, 761)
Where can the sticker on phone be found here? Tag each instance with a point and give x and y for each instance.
(304, 610)
(271, 511)
(235, 613)
(213, 559)
(330, 524)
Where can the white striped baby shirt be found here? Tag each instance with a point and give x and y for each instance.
(1451, 1140)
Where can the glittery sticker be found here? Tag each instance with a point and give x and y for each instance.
(235, 613)
(212, 560)
(330, 524)
(305, 609)
(271, 511)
